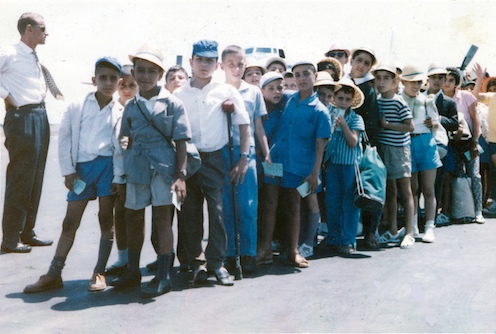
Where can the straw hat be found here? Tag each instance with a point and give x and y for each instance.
(325, 79)
(334, 62)
(385, 67)
(358, 97)
(412, 73)
(436, 69)
(150, 53)
(368, 50)
(486, 83)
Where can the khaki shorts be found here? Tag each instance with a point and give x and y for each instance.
(397, 160)
(156, 193)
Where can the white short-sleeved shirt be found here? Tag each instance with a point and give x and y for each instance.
(204, 109)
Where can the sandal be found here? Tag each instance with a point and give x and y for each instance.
(408, 242)
(298, 261)
(264, 257)
(388, 237)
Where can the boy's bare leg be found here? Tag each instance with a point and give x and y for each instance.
(427, 185)
(162, 219)
(70, 225)
(405, 192)
(268, 220)
(392, 206)
(294, 200)
(106, 220)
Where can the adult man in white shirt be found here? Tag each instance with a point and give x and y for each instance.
(27, 133)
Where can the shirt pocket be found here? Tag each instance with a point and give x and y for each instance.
(163, 123)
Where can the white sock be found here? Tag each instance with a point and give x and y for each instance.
(429, 223)
(121, 258)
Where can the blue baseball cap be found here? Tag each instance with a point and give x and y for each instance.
(109, 60)
(205, 48)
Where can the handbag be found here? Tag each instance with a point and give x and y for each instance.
(193, 159)
(370, 176)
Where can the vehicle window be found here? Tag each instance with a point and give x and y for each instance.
(263, 50)
(249, 50)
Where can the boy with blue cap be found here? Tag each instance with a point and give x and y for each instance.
(203, 99)
(90, 159)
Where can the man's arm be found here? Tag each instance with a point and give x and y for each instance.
(237, 173)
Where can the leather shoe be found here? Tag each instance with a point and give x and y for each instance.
(45, 283)
(19, 248)
(200, 275)
(98, 282)
(127, 280)
(223, 276)
(35, 241)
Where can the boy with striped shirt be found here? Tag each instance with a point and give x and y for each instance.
(394, 148)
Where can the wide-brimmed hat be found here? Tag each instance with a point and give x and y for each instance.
(325, 79)
(385, 67)
(358, 97)
(276, 60)
(303, 62)
(255, 64)
(337, 47)
(150, 53)
(436, 69)
(412, 73)
(269, 77)
(368, 50)
(486, 83)
(333, 61)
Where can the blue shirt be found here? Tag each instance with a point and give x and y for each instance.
(294, 139)
(337, 150)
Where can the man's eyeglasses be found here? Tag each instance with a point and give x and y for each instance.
(337, 54)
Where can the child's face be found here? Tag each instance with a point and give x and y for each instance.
(361, 65)
(342, 100)
(106, 81)
(253, 75)
(412, 88)
(272, 92)
(305, 77)
(175, 80)
(385, 82)
(234, 66)
(449, 84)
(203, 68)
(290, 83)
(127, 87)
(436, 82)
(147, 74)
(325, 94)
(276, 67)
(491, 88)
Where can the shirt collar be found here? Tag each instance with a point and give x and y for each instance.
(161, 92)
(92, 97)
(24, 48)
(312, 100)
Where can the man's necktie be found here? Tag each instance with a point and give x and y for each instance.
(49, 80)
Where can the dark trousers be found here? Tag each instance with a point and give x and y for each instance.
(207, 184)
(27, 135)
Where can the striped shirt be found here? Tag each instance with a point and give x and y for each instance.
(338, 151)
(396, 111)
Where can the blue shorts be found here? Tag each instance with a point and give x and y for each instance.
(288, 181)
(485, 157)
(98, 175)
(423, 149)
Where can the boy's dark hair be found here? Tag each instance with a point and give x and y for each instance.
(126, 70)
(28, 19)
(346, 90)
(454, 72)
(174, 69)
(358, 52)
(288, 75)
(230, 50)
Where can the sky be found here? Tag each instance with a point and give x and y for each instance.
(404, 32)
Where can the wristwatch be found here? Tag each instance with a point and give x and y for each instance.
(244, 155)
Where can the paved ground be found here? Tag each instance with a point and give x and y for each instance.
(448, 286)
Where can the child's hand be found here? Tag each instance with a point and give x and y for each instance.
(119, 190)
(237, 174)
(428, 122)
(179, 186)
(313, 182)
(479, 72)
(383, 122)
(268, 159)
(69, 181)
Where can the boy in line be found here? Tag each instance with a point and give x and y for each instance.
(298, 142)
(233, 64)
(126, 89)
(394, 148)
(203, 99)
(155, 171)
(91, 162)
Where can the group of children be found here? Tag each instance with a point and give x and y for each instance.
(278, 153)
